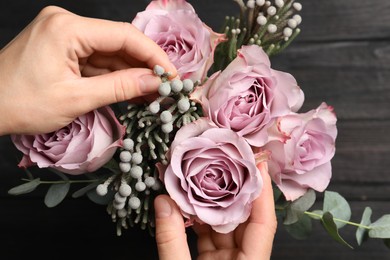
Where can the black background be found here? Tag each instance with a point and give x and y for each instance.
(342, 57)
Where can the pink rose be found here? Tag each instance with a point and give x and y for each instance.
(83, 146)
(303, 161)
(212, 175)
(178, 30)
(248, 95)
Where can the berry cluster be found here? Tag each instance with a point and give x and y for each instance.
(150, 129)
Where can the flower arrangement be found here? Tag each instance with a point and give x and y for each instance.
(208, 133)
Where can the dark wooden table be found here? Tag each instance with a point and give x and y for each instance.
(342, 57)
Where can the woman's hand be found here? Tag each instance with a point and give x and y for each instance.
(63, 65)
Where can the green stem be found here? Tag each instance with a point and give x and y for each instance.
(60, 182)
(339, 220)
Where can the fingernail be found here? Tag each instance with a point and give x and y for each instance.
(149, 83)
(163, 208)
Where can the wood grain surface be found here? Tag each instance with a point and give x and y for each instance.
(342, 57)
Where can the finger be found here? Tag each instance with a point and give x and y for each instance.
(223, 241)
(205, 242)
(171, 237)
(261, 228)
(98, 64)
(94, 92)
(109, 36)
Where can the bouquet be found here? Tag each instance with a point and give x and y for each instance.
(207, 134)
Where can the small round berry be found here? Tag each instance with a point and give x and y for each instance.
(164, 89)
(125, 156)
(122, 213)
(134, 203)
(272, 28)
(101, 190)
(287, 32)
(271, 10)
(260, 2)
(136, 158)
(154, 107)
(176, 85)
(158, 70)
(261, 20)
(292, 23)
(157, 185)
(140, 186)
(183, 105)
(125, 190)
(124, 167)
(297, 18)
(149, 181)
(136, 172)
(167, 128)
(188, 85)
(128, 144)
(119, 206)
(119, 198)
(166, 117)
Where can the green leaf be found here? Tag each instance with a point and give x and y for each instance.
(301, 229)
(112, 165)
(101, 200)
(361, 233)
(56, 194)
(337, 206)
(277, 193)
(298, 207)
(25, 187)
(331, 227)
(380, 228)
(84, 190)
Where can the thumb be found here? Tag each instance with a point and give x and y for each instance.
(115, 87)
(170, 230)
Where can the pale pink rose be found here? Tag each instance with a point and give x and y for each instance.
(83, 146)
(177, 29)
(249, 95)
(212, 175)
(304, 160)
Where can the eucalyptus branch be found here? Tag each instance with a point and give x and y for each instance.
(319, 216)
(64, 181)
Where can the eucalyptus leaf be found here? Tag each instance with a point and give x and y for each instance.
(101, 200)
(337, 206)
(380, 228)
(56, 194)
(301, 229)
(25, 187)
(298, 207)
(361, 233)
(331, 227)
(85, 189)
